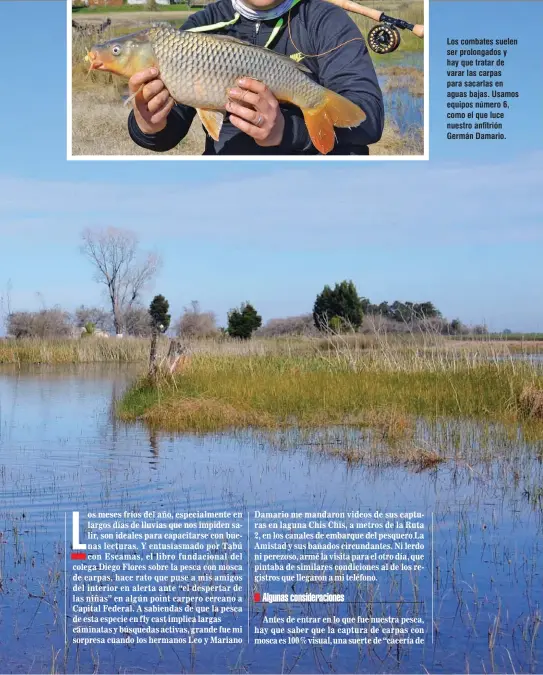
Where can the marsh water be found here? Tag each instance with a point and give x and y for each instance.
(406, 109)
(61, 449)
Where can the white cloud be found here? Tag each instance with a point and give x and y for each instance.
(315, 206)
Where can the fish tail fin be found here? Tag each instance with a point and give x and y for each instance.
(334, 111)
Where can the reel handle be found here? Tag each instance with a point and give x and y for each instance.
(418, 30)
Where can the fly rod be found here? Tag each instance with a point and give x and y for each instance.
(385, 37)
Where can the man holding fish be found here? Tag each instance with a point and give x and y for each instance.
(230, 65)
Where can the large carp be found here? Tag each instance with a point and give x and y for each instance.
(199, 69)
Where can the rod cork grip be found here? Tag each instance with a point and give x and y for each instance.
(354, 7)
(375, 14)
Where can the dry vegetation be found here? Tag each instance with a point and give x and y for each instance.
(407, 352)
(394, 142)
(407, 454)
(405, 77)
(100, 128)
(82, 350)
(531, 402)
(130, 14)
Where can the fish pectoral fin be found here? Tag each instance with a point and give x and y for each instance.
(130, 98)
(212, 121)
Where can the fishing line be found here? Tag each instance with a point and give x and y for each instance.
(315, 56)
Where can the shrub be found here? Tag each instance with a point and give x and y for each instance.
(243, 322)
(290, 325)
(343, 302)
(46, 323)
(196, 324)
(158, 311)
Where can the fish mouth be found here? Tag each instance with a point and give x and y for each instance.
(95, 63)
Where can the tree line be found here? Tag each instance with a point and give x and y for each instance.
(342, 309)
(138, 321)
(126, 274)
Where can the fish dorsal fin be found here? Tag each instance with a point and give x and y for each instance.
(299, 65)
(224, 38)
(237, 41)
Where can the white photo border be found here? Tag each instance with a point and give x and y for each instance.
(160, 157)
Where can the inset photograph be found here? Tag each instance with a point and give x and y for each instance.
(247, 79)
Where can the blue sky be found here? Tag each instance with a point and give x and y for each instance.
(463, 230)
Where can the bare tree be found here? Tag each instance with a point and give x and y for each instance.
(97, 316)
(196, 324)
(114, 255)
(137, 322)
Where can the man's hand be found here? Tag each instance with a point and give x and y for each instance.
(152, 103)
(255, 110)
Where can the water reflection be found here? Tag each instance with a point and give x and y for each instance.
(406, 109)
(153, 444)
(62, 450)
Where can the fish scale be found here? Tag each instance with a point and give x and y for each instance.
(186, 59)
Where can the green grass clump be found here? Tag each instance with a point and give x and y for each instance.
(272, 391)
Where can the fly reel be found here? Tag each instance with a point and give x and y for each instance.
(384, 38)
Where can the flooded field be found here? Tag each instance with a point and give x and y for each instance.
(61, 449)
(402, 80)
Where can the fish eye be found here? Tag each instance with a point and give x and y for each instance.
(116, 50)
